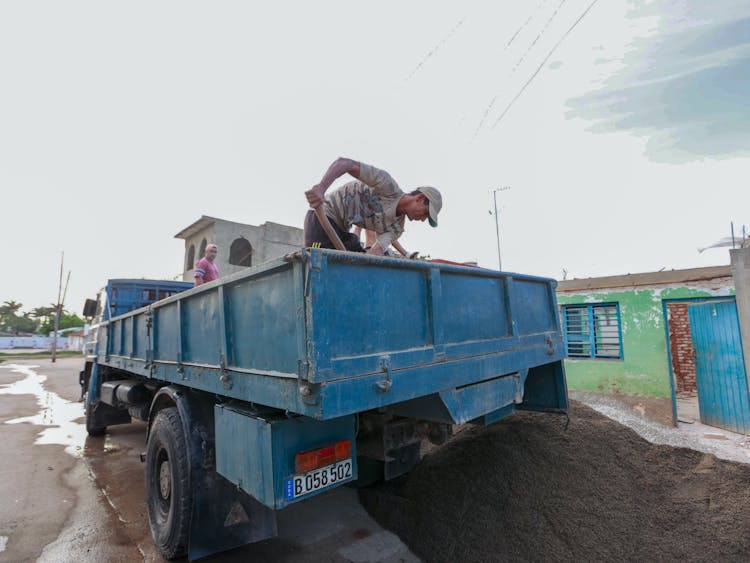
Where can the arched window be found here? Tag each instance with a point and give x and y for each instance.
(202, 252)
(241, 253)
(190, 257)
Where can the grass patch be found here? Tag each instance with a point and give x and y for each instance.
(36, 355)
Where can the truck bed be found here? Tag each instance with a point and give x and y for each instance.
(323, 334)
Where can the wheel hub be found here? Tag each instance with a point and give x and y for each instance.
(165, 480)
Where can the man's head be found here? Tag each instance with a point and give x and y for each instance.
(423, 203)
(211, 251)
(434, 202)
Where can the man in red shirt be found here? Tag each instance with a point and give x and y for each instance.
(205, 270)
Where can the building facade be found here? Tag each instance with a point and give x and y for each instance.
(631, 334)
(240, 245)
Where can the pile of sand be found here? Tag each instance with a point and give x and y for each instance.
(528, 489)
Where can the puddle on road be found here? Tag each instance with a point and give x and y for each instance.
(56, 413)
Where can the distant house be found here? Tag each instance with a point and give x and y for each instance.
(240, 245)
(680, 334)
(76, 340)
(631, 334)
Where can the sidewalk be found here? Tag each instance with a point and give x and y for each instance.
(696, 436)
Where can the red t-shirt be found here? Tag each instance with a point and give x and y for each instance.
(207, 270)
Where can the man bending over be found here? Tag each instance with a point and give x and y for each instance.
(373, 201)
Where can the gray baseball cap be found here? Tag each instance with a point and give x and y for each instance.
(436, 202)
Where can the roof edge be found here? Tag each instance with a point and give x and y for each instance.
(646, 278)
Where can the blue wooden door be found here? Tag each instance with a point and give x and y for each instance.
(723, 397)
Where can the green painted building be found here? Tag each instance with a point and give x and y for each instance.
(630, 334)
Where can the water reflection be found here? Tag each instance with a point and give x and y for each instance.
(56, 414)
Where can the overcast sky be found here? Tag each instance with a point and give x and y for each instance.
(621, 127)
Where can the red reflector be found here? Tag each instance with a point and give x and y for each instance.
(305, 461)
(326, 456)
(312, 459)
(343, 450)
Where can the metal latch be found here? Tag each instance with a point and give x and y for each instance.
(225, 379)
(550, 344)
(383, 386)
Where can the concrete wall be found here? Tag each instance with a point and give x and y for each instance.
(39, 342)
(741, 273)
(644, 369)
(268, 241)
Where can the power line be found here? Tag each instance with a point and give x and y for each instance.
(539, 68)
(435, 48)
(539, 35)
(541, 32)
(520, 29)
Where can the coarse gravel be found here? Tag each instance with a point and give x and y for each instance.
(538, 487)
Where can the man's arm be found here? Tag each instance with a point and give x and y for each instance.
(397, 246)
(199, 273)
(402, 250)
(340, 166)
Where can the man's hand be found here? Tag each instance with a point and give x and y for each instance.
(404, 253)
(376, 249)
(315, 196)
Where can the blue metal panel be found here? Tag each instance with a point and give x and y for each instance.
(200, 328)
(257, 453)
(244, 453)
(721, 380)
(327, 334)
(262, 322)
(533, 302)
(545, 388)
(125, 295)
(167, 332)
(457, 406)
(477, 307)
(115, 339)
(394, 316)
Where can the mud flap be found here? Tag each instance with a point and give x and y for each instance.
(224, 517)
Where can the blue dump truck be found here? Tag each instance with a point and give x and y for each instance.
(269, 386)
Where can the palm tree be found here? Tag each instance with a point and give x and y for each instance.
(8, 315)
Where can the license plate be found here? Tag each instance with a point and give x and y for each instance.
(320, 478)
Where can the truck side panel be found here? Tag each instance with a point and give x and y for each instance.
(328, 334)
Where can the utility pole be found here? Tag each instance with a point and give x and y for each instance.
(497, 224)
(59, 308)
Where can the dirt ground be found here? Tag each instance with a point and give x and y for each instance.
(530, 489)
(68, 497)
(658, 409)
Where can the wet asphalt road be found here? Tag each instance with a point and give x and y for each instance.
(67, 497)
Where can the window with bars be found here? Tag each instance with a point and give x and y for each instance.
(593, 331)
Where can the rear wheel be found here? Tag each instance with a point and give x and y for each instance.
(168, 494)
(91, 428)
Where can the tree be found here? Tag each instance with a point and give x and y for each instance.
(11, 321)
(67, 320)
(43, 314)
(24, 323)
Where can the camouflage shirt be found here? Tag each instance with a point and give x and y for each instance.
(370, 203)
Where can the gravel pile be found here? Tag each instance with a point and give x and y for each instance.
(530, 489)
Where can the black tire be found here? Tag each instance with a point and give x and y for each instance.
(168, 495)
(91, 428)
